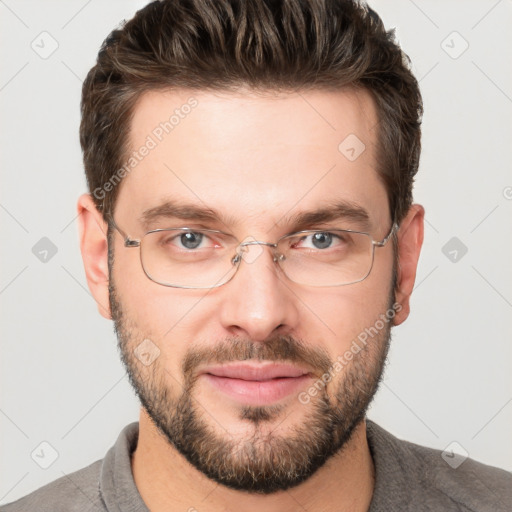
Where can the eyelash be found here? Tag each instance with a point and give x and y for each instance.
(216, 243)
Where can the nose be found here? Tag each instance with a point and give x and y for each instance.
(259, 300)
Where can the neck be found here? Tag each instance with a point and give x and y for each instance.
(166, 481)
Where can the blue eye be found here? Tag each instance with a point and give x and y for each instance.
(322, 240)
(191, 240)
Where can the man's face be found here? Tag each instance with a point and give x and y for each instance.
(258, 162)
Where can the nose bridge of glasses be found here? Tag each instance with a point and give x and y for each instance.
(242, 251)
(256, 242)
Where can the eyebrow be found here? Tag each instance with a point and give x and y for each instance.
(342, 210)
(184, 211)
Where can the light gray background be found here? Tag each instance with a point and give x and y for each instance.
(449, 377)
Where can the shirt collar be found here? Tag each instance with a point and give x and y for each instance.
(117, 486)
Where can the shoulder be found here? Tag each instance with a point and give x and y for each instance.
(77, 491)
(471, 484)
(433, 478)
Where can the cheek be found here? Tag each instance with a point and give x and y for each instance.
(343, 313)
(154, 310)
(339, 315)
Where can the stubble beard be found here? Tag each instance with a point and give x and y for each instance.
(263, 462)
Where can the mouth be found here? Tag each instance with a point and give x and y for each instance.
(257, 384)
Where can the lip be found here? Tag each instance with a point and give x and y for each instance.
(253, 372)
(256, 384)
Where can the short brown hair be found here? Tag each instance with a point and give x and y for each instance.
(290, 45)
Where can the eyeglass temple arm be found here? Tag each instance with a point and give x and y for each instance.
(128, 242)
(383, 242)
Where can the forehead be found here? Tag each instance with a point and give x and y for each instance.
(256, 157)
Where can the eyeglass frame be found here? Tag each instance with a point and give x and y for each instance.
(131, 242)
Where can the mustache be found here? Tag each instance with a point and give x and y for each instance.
(277, 348)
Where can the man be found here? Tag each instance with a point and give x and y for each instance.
(250, 230)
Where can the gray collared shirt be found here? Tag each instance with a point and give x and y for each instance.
(408, 477)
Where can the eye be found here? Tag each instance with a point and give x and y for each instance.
(188, 241)
(320, 240)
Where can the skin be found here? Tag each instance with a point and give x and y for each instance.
(258, 159)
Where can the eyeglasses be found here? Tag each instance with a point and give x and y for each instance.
(206, 258)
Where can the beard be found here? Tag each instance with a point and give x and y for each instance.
(263, 461)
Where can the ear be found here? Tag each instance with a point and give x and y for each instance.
(94, 248)
(410, 240)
